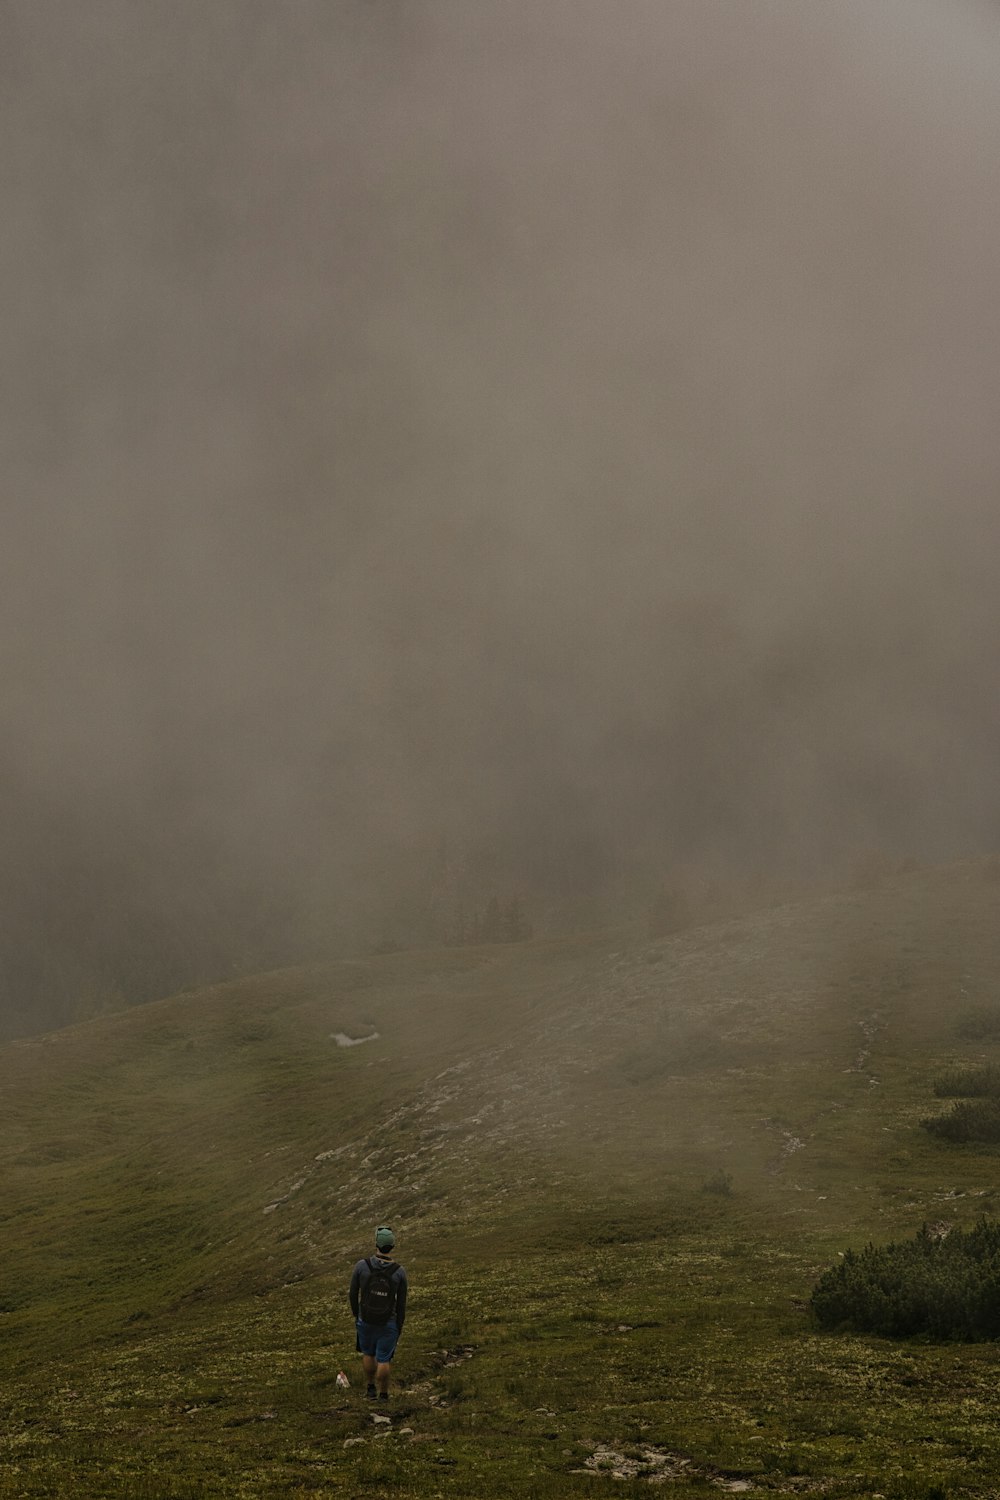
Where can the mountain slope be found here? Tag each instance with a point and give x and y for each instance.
(199, 1174)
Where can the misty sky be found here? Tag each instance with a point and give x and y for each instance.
(566, 428)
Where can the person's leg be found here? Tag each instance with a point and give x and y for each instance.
(368, 1349)
(384, 1350)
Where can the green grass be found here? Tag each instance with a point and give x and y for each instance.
(187, 1186)
(569, 1353)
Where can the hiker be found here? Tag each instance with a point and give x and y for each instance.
(378, 1302)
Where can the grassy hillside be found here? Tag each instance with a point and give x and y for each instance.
(616, 1165)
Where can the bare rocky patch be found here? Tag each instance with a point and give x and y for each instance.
(658, 1465)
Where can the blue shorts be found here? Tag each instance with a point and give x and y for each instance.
(378, 1340)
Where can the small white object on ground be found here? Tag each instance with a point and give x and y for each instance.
(343, 1040)
(342, 1381)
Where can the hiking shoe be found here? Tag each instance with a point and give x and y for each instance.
(370, 1393)
(383, 1395)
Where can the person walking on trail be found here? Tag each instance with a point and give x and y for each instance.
(378, 1302)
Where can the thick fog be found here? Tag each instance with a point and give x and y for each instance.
(533, 445)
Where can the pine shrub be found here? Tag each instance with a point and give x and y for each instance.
(969, 1083)
(969, 1120)
(944, 1288)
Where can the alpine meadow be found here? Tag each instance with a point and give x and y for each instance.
(617, 1166)
(499, 621)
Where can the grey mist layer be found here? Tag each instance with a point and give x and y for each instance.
(559, 440)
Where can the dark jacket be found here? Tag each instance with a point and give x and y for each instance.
(360, 1278)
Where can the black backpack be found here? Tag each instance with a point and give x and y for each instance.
(378, 1299)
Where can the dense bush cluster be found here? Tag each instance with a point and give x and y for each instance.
(970, 1120)
(947, 1288)
(969, 1083)
(977, 1116)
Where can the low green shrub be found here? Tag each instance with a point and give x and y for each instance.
(945, 1287)
(969, 1083)
(969, 1120)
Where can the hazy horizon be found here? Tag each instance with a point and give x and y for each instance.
(565, 435)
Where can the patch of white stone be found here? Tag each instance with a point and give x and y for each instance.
(343, 1040)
